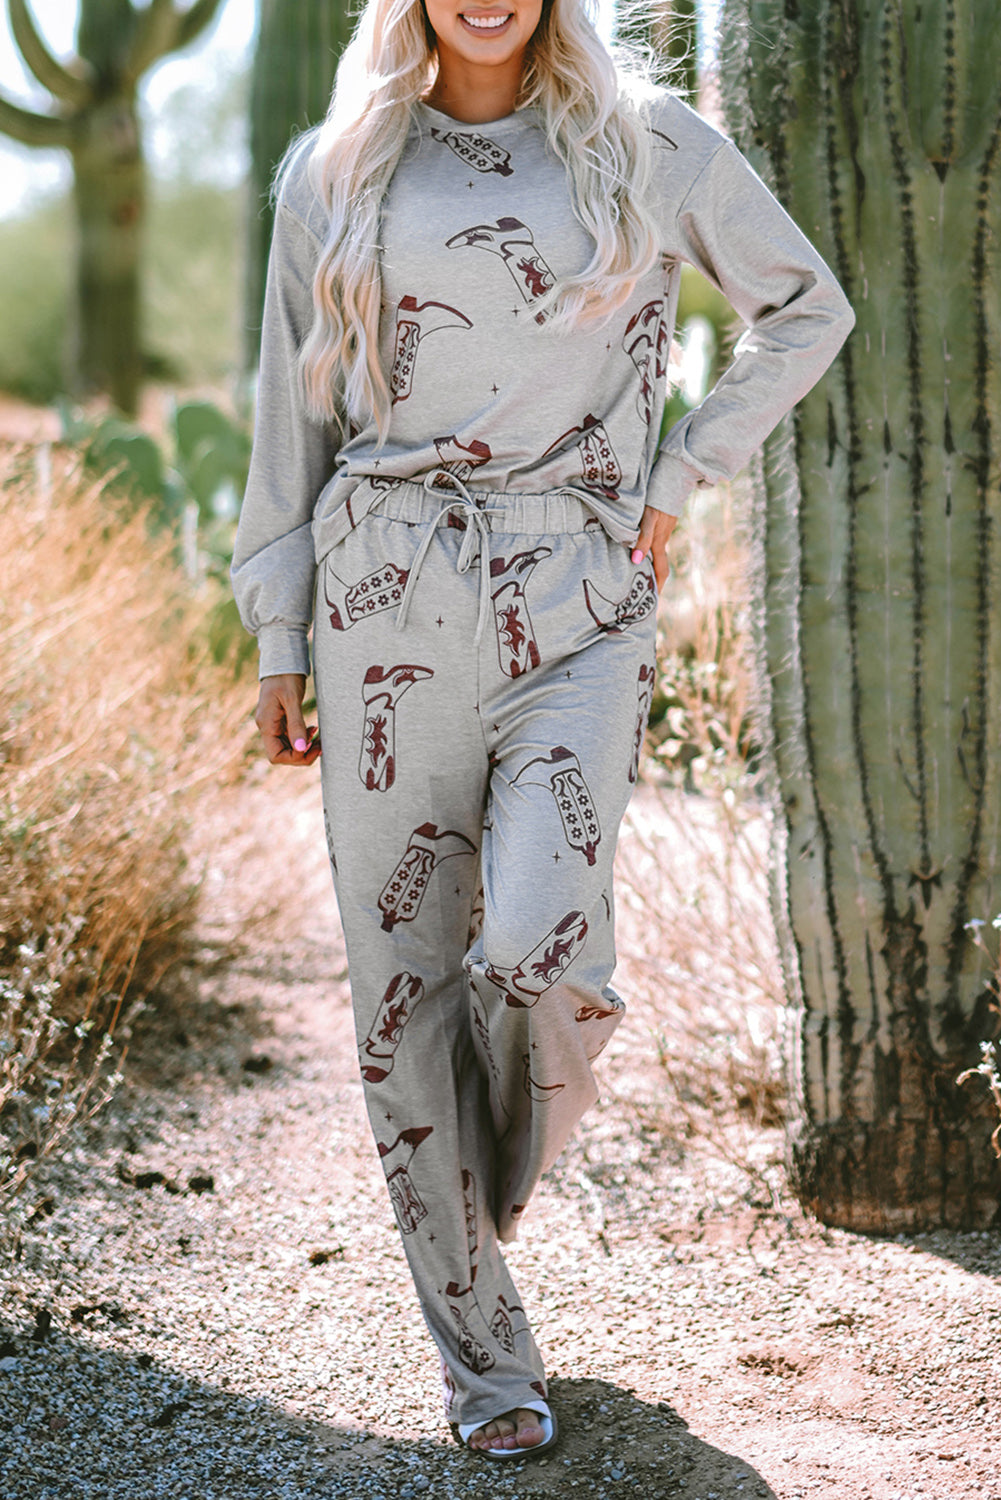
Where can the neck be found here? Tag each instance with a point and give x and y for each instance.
(475, 95)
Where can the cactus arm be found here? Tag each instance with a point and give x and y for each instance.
(162, 29)
(155, 36)
(194, 21)
(51, 74)
(33, 130)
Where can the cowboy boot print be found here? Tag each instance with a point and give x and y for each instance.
(517, 648)
(378, 1051)
(540, 1092)
(472, 1352)
(476, 151)
(600, 469)
(644, 696)
(377, 591)
(408, 1206)
(486, 1048)
(514, 242)
(645, 341)
(572, 795)
(477, 914)
(615, 617)
(612, 1012)
(414, 322)
(472, 1229)
(403, 892)
(448, 1390)
(524, 986)
(455, 458)
(502, 1324)
(382, 689)
(330, 842)
(600, 1012)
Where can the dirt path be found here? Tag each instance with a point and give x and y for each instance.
(216, 1303)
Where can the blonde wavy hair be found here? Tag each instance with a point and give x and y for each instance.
(593, 117)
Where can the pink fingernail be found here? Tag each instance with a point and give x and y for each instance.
(300, 745)
(638, 555)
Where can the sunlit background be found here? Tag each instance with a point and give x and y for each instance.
(195, 76)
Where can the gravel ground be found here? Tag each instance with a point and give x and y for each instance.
(212, 1302)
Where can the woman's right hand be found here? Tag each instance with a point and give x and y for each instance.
(287, 741)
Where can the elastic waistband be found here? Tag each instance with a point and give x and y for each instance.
(557, 512)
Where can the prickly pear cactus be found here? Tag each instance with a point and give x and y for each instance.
(878, 123)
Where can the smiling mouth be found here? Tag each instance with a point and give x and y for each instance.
(486, 23)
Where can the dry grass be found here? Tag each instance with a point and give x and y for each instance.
(702, 728)
(696, 938)
(113, 723)
(698, 953)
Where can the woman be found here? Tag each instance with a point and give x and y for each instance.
(470, 303)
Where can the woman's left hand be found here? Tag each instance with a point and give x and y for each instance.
(656, 530)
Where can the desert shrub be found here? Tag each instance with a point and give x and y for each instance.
(696, 941)
(114, 721)
(187, 479)
(698, 953)
(701, 731)
(989, 1067)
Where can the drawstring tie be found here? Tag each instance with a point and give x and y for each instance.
(477, 532)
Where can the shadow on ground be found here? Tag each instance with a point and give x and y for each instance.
(85, 1423)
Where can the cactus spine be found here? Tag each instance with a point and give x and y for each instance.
(298, 46)
(879, 126)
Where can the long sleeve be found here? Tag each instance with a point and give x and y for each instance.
(732, 230)
(274, 567)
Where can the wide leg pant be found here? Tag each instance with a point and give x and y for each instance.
(476, 765)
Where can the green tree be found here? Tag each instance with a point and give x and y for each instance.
(878, 122)
(95, 118)
(298, 46)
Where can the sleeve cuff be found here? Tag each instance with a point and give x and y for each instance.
(283, 648)
(671, 481)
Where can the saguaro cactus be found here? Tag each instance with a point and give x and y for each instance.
(95, 118)
(878, 122)
(298, 47)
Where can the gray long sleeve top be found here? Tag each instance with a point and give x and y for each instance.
(476, 225)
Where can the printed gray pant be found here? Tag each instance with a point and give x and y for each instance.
(484, 669)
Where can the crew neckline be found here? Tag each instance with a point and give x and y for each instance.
(516, 117)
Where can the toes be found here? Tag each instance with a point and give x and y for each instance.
(530, 1432)
(500, 1433)
(505, 1433)
(513, 1430)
